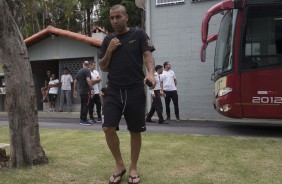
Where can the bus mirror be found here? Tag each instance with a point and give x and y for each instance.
(203, 52)
(212, 38)
(204, 46)
(212, 77)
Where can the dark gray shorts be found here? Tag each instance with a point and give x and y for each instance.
(128, 102)
(52, 97)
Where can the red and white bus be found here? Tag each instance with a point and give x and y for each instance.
(248, 58)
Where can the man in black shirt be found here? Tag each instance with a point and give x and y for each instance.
(122, 56)
(83, 80)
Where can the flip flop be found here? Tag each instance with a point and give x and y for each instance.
(132, 178)
(118, 175)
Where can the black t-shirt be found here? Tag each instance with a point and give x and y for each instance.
(126, 65)
(82, 74)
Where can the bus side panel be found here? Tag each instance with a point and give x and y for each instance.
(262, 93)
(261, 62)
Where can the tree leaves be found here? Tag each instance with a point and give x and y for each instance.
(74, 15)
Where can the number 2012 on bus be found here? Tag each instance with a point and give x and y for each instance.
(265, 100)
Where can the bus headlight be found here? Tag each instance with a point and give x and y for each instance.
(225, 108)
(224, 91)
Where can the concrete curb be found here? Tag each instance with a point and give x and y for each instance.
(42, 114)
(75, 115)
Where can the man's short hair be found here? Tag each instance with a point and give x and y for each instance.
(85, 63)
(119, 6)
(158, 67)
(165, 63)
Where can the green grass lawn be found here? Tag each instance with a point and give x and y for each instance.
(83, 157)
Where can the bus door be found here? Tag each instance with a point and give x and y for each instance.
(261, 62)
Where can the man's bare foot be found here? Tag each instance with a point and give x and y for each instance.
(133, 177)
(116, 177)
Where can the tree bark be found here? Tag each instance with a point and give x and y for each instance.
(20, 94)
(88, 22)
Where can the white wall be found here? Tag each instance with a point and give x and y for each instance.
(176, 34)
(60, 47)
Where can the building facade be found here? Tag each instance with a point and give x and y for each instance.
(175, 29)
(54, 49)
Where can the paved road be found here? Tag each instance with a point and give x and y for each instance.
(198, 127)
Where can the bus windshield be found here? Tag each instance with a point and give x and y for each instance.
(262, 41)
(223, 55)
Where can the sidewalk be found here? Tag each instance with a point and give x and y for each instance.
(43, 114)
(75, 115)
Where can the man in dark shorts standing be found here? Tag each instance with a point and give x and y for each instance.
(83, 80)
(53, 92)
(122, 56)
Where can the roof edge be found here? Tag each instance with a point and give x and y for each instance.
(61, 32)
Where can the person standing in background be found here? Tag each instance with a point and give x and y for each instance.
(156, 93)
(45, 89)
(53, 92)
(95, 97)
(83, 83)
(169, 87)
(66, 80)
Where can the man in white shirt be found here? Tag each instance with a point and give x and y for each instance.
(169, 87)
(53, 91)
(156, 94)
(95, 91)
(66, 81)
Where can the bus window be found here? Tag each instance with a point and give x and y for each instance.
(262, 41)
(223, 60)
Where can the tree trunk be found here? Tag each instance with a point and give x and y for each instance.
(85, 22)
(20, 94)
(88, 22)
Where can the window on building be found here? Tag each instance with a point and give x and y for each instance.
(195, 1)
(168, 2)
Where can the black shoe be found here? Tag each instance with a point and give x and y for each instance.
(163, 122)
(99, 120)
(168, 118)
(86, 122)
(150, 121)
(92, 121)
